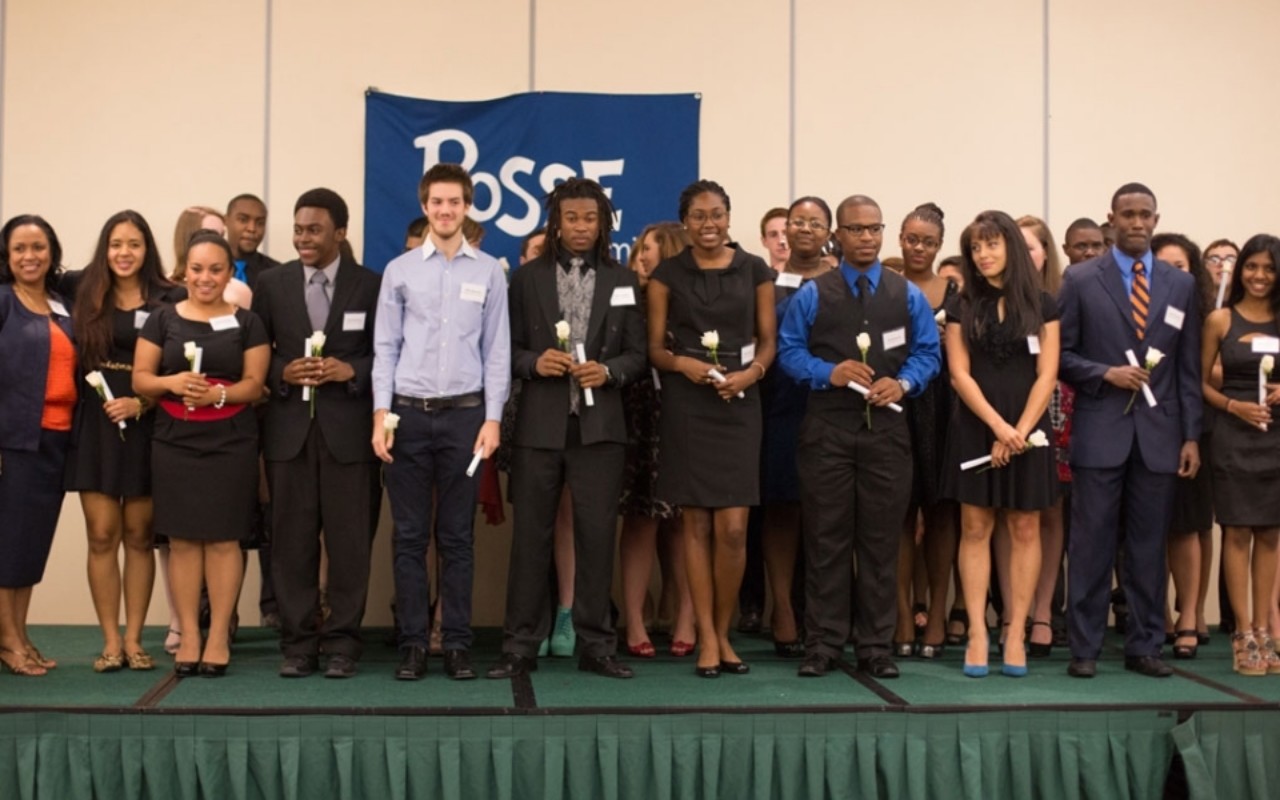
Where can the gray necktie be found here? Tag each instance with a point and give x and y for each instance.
(576, 322)
(318, 300)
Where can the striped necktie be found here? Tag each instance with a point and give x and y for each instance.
(1140, 298)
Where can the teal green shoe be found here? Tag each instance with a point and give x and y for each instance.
(563, 636)
(544, 648)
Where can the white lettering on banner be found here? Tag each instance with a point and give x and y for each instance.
(526, 221)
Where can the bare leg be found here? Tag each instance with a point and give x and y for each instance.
(104, 525)
(698, 564)
(730, 562)
(780, 541)
(1050, 560)
(683, 628)
(1184, 565)
(1003, 554)
(175, 625)
(1206, 572)
(1264, 576)
(974, 562)
(139, 569)
(905, 632)
(186, 576)
(636, 548)
(224, 570)
(940, 558)
(1024, 571)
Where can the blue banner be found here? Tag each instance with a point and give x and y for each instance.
(643, 149)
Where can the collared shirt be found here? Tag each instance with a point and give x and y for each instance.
(924, 359)
(442, 328)
(330, 271)
(1126, 262)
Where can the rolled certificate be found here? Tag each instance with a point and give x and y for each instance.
(719, 377)
(1262, 386)
(587, 395)
(1222, 286)
(475, 462)
(974, 462)
(1146, 390)
(862, 390)
(306, 353)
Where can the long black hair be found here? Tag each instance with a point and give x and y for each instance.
(1020, 285)
(579, 189)
(55, 250)
(1258, 243)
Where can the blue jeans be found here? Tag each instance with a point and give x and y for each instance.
(432, 451)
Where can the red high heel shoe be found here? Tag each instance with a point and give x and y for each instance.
(681, 649)
(642, 650)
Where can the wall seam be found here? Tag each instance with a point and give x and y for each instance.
(533, 44)
(266, 122)
(791, 110)
(1045, 71)
(4, 30)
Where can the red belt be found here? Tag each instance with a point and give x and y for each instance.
(178, 410)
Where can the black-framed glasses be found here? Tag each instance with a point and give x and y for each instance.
(927, 242)
(807, 224)
(858, 230)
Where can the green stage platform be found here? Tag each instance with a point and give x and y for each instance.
(665, 734)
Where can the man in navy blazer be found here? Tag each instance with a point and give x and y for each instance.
(1125, 459)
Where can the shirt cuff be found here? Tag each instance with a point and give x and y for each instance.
(381, 399)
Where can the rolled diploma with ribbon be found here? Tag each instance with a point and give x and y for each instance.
(862, 390)
(587, 394)
(1146, 390)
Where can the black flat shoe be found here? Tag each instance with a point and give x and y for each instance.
(734, 667)
(186, 669)
(929, 651)
(789, 649)
(707, 672)
(208, 670)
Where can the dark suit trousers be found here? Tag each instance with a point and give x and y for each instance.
(594, 476)
(432, 451)
(314, 493)
(1099, 498)
(854, 490)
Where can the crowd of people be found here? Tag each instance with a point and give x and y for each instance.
(870, 437)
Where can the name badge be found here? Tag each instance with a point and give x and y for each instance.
(473, 292)
(1033, 344)
(895, 338)
(748, 353)
(1265, 344)
(789, 280)
(58, 308)
(140, 318)
(623, 296)
(224, 323)
(353, 321)
(1173, 317)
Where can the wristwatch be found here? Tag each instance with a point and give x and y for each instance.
(906, 386)
(608, 376)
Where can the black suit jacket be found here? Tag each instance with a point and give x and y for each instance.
(615, 338)
(343, 410)
(255, 265)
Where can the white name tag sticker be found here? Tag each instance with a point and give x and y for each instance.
(748, 353)
(140, 318)
(1265, 344)
(788, 279)
(623, 296)
(1033, 344)
(1174, 317)
(473, 292)
(224, 323)
(895, 338)
(58, 308)
(353, 320)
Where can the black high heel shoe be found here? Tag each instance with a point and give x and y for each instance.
(1185, 651)
(1036, 649)
(960, 617)
(186, 669)
(208, 670)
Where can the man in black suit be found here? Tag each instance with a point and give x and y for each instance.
(1125, 460)
(570, 427)
(322, 472)
(246, 226)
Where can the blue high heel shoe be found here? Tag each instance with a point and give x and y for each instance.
(975, 670)
(1014, 672)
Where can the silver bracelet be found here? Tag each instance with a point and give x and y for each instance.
(222, 399)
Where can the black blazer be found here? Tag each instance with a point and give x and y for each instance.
(255, 265)
(615, 338)
(343, 410)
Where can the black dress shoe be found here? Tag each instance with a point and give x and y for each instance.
(457, 665)
(707, 672)
(608, 666)
(1082, 668)
(816, 665)
(512, 665)
(298, 666)
(340, 666)
(413, 664)
(208, 670)
(186, 669)
(1151, 666)
(878, 666)
(750, 621)
(734, 667)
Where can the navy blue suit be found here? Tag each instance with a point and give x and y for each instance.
(1125, 463)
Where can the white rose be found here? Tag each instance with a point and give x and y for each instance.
(864, 341)
(390, 422)
(940, 317)
(189, 350)
(562, 331)
(317, 341)
(1154, 357)
(94, 379)
(711, 339)
(1268, 364)
(1038, 439)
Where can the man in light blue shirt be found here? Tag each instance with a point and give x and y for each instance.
(442, 364)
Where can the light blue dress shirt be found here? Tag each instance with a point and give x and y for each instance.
(1126, 262)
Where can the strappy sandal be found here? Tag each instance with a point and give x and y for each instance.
(140, 661)
(920, 619)
(1248, 656)
(1269, 655)
(108, 662)
(958, 616)
(1185, 651)
(173, 641)
(27, 666)
(36, 656)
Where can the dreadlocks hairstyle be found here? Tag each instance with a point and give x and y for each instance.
(1019, 286)
(579, 189)
(1257, 244)
(93, 311)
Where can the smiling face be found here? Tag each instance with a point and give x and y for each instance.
(126, 248)
(1258, 274)
(807, 229)
(208, 272)
(920, 242)
(29, 256)
(445, 208)
(315, 238)
(1219, 259)
(707, 222)
(990, 256)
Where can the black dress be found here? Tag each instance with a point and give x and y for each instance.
(710, 449)
(204, 473)
(1246, 461)
(785, 402)
(99, 461)
(1003, 365)
(929, 416)
(642, 404)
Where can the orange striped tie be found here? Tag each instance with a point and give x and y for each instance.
(1140, 297)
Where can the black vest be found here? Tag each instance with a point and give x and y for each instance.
(834, 335)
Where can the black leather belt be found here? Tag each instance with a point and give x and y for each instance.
(471, 400)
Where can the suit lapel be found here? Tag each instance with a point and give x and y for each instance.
(1159, 294)
(600, 301)
(548, 298)
(1113, 285)
(295, 299)
(345, 285)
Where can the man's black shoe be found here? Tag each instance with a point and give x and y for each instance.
(878, 667)
(1151, 666)
(1082, 668)
(608, 666)
(815, 665)
(512, 665)
(413, 664)
(457, 665)
(298, 666)
(341, 666)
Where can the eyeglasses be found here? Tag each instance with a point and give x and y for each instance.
(699, 217)
(927, 242)
(807, 224)
(1215, 260)
(858, 230)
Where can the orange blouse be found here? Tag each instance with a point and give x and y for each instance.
(60, 385)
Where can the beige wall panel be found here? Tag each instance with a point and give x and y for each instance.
(129, 104)
(325, 53)
(732, 51)
(913, 102)
(1177, 94)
